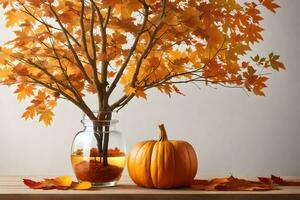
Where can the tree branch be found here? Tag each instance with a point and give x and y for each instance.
(83, 107)
(150, 44)
(41, 21)
(133, 48)
(70, 45)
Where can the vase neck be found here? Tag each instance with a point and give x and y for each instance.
(104, 121)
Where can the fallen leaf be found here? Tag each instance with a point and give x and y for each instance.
(265, 180)
(85, 185)
(59, 183)
(63, 181)
(33, 184)
(230, 184)
(278, 180)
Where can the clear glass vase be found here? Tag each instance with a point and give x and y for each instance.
(98, 152)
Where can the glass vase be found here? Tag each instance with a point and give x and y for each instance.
(98, 152)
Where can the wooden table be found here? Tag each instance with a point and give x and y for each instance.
(12, 188)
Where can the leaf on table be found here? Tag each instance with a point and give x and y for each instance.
(33, 184)
(85, 185)
(230, 184)
(278, 180)
(62, 181)
(265, 180)
(59, 183)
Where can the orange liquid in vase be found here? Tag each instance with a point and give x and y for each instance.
(92, 169)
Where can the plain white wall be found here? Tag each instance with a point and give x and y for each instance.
(232, 133)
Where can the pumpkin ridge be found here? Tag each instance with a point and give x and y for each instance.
(174, 162)
(138, 180)
(131, 158)
(189, 156)
(159, 162)
(154, 177)
(150, 161)
(194, 157)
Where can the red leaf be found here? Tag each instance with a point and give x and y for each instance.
(265, 180)
(269, 4)
(230, 184)
(245, 64)
(177, 90)
(59, 183)
(111, 74)
(278, 180)
(33, 184)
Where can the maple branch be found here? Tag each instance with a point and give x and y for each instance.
(91, 60)
(55, 80)
(126, 98)
(83, 36)
(107, 17)
(83, 107)
(122, 102)
(150, 44)
(92, 34)
(72, 88)
(57, 57)
(79, 64)
(132, 49)
(193, 71)
(104, 63)
(41, 21)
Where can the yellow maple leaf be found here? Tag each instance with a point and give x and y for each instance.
(52, 103)
(29, 113)
(4, 72)
(13, 17)
(24, 91)
(128, 90)
(85, 185)
(47, 117)
(4, 55)
(65, 181)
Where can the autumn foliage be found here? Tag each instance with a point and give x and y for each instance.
(237, 184)
(60, 183)
(216, 184)
(65, 49)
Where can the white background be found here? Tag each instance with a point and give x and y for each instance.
(232, 133)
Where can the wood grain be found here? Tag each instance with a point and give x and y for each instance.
(12, 188)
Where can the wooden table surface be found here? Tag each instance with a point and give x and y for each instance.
(12, 188)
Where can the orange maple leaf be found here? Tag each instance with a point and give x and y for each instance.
(60, 183)
(46, 117)
(269, 4)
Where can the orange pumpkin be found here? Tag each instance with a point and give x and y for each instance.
(163, 163)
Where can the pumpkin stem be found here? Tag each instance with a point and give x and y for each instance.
(163, 133)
